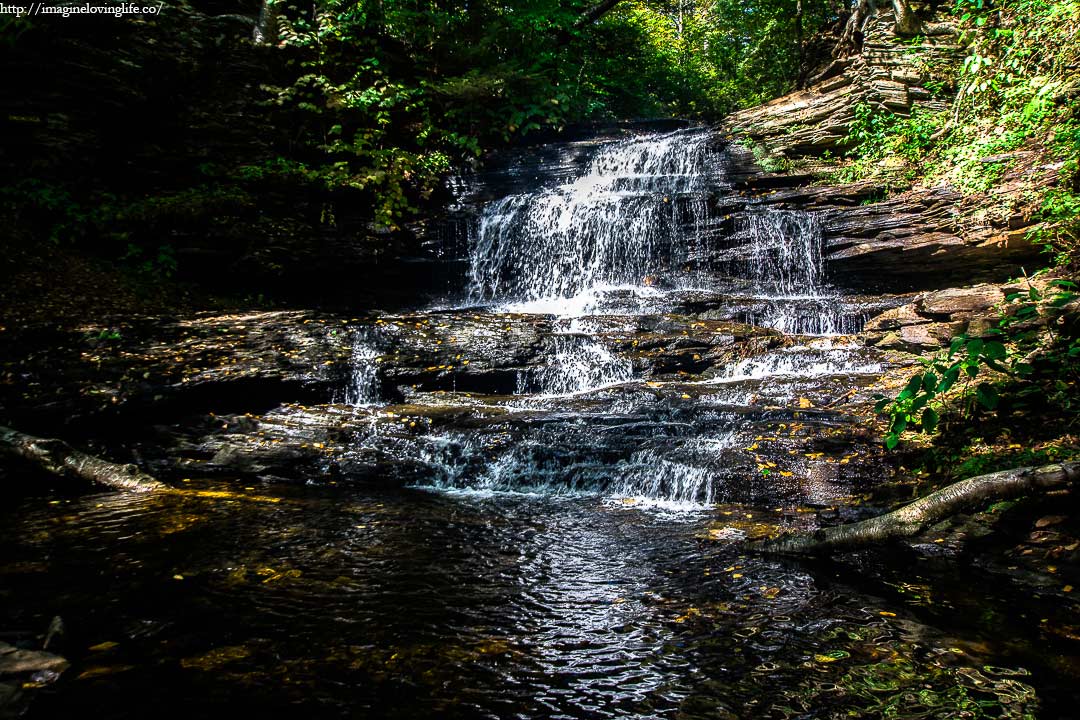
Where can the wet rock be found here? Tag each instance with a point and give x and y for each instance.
(934, 318)
(167, 367)
(918, 338)
(15, 661)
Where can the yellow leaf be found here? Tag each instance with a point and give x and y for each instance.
(805, 403)
(99, 671)
(102, 647)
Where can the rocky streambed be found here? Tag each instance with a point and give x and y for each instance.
(527, 496)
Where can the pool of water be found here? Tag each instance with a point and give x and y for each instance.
(329, 602)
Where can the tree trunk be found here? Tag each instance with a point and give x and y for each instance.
(59, 458)
(596, 12)
(914, 518)
(851, 38)
(907, 22)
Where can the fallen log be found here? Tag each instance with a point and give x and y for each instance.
(915, 517)
(59, 458)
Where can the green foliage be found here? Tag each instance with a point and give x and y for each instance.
(368, 104)
(159, 263)
(1024, 362)
(1059, 233)
(386, 95)
(877, 133)
(50, 205)
(766, 160)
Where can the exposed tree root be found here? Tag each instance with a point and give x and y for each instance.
(59, 458)
(914, 518)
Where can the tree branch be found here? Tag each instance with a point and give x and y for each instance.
(596, 12)
(59, 458)
(914, 518)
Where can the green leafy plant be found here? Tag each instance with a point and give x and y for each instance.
(1023, 357)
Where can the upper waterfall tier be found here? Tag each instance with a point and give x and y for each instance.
(640, 215)
(629, 216)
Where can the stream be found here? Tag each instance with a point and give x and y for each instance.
(560, 537)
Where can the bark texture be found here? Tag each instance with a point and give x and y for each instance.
(596, 12)
(59, 458)
(912, 519)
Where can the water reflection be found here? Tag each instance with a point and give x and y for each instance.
(421, 604)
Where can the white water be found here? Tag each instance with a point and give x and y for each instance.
(624, 237)
(363, 387)
(799, 362)
(785, 251)
(678, 478)
(621, 222)
(578, 364)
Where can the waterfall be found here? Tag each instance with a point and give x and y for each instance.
(783, 257)
(628, 219)
(266, 26)
(363, 386)
(801, 362)
(578, 364)
(785, 252)
(630, 239)
(683, 473)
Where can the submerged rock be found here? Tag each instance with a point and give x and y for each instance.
(16, 661)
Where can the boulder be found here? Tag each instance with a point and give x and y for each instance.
(895, 318)
(953, 301)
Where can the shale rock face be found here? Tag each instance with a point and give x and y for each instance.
(932, 319)
(920, 238)
(891, 72)
(891, 234)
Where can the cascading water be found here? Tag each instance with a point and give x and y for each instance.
(579, 363)
(784, 258)
(362, 389)
(637, 229)
(785, 252)
(524, 581)
(629, 219)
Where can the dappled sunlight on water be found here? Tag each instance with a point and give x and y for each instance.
(458, 604)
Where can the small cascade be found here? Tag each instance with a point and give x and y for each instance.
(683, 473)
(538, 464)
(807, 316)
(579, 364)
(680, 474)
(785, 252)
(628, 220)
(801, 362)
(363, 387)
(266, 26)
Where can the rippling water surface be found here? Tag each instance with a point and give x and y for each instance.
(329, 603)
(562, 554)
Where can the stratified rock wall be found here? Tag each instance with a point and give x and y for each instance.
(891, 72)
